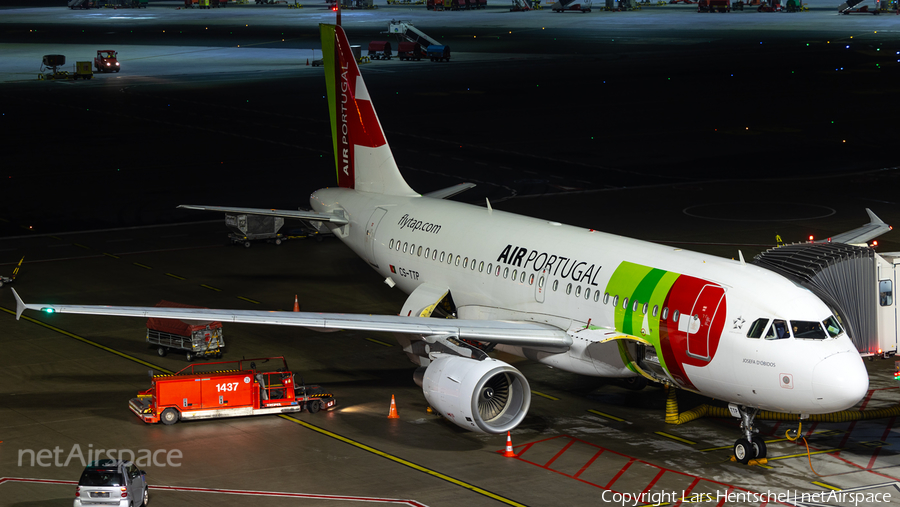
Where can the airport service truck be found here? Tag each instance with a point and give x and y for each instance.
(228, 389)
(193, 338)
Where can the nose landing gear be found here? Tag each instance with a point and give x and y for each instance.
(751, 445)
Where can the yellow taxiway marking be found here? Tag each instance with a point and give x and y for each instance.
(601, 414)
(56, 237)
(542, 395)
(800, 455)
(138, 264)
(210, 287)
(379, 342)
(80, 246)
(401, 461)
(673, 437)
(175, 276)
(111, 255)
(89, 342)
(306, 425)
(249, 300)
(826, 486)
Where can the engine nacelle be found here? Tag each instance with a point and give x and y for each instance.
(487, 396)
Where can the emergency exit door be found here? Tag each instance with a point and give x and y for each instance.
(704, 314)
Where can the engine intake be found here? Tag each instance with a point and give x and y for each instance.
(487, 396)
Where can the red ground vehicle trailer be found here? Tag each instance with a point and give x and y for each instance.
(380, 50)
(407, 50)
(106, 60)
(191, 338)
(228, 389)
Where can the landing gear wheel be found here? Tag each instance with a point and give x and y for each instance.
(743, 451)
(161, 351)
(634, 383)
(313, 406)
(169, 416)
(759, 447)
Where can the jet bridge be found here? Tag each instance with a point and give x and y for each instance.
(854, 281)
(405, 30)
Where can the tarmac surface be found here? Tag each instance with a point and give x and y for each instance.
(710, 132)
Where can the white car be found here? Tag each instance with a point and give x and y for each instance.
(112, 482)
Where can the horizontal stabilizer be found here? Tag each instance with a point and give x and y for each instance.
(299, 215)
(520, 334)
(446, 193)
(876, 227)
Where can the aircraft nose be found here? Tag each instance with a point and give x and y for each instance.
(840, 381)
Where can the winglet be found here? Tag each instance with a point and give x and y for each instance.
(20, 305)
(873, 218)
(861, 235)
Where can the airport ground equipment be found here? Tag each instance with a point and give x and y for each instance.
(249, 228)
(107, 60)
(407, 50)
(380, 50)
(405, 31)
(54, 62)
(83, 4)
(228, 389)
(6, 280)
(714, 6)
(438, 53)
(572, 5)
(191, 338)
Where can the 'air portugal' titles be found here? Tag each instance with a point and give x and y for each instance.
(564, 267)
(345, 97)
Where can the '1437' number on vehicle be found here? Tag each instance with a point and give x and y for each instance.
(229, 386)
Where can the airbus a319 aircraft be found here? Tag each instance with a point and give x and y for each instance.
(575, 299)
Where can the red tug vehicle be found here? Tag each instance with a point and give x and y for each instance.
(107, 60)
(227, 389)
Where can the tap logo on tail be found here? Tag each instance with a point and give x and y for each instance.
(354, 123)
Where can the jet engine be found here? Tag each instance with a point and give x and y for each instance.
(487, 396)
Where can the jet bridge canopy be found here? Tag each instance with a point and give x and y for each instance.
(843, 276)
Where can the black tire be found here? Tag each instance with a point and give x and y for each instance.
(161, 352)
(145, 499)
(189, 356)
(634, 383)
(278, 241)
(759, 447)
(743, 451)
(313, 406)
(169, 416)
(246, 244)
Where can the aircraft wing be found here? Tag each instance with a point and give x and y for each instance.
(522, 334)
(876, 227)
(300, 215)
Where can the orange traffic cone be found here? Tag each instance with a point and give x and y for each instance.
(296, 304)
(393, 413)
(307, 61)
(508, 453)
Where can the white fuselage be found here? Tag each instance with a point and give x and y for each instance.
(493, 263)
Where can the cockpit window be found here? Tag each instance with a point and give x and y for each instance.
(832, 326)
(757, 328)
(808, 330)
(778, 331)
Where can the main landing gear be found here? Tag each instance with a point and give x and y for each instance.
(751, 445)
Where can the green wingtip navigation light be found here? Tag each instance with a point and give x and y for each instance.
(48, 310)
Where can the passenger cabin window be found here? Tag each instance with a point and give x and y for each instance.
(634, 306)
(606, 298)
(405, 246)
(391, 245)
(531, 280)
(587, 293)
(505, 272)
(427, 253)
(522, 277)
(412, 249)
(555, 285)
(578, 291)
(442, 256)
(481, 266)
(597, 296)
(644, 308)
(434, 255)
(515, 274)
(466, 262)
(655, 310)
(398, 245)
(473, 265)
(675, 315)
(778, 331)
(625, 303)
(809, 330)
(615, 300)
(457, 260)
(419, 253)
(757, 328)
(498, 271)
(885, 292)
(450, 258)
(665, 314)
(569, 289)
